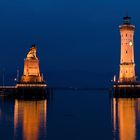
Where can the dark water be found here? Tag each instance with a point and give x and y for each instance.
(70, 115)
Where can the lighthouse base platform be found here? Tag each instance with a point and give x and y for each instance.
(30, 90)
(126, 90)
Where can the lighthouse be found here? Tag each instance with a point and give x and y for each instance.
(127, 64)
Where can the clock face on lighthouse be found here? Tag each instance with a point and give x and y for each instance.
(130, 43)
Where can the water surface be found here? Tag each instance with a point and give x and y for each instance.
(71, 115)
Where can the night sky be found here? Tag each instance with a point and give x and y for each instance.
(78, 41)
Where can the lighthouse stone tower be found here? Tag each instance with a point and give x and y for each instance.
(127, 65)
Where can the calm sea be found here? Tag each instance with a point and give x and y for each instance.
(71, 115)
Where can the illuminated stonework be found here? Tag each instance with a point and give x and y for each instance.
(127, 65)
(31, 72)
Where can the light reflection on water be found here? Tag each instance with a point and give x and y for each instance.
(65, 115)
(23, 120)
(71, 115)
(30, 116)
(126, 116)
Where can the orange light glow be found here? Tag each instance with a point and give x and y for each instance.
(124, 113)
(31, 67)
(30, 115)
(127, 64)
